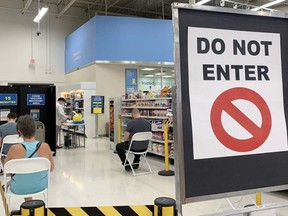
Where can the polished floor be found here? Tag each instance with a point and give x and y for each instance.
(92, 176)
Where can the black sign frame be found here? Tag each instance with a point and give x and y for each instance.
(198, 180)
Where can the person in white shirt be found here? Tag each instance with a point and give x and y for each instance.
(60, 117)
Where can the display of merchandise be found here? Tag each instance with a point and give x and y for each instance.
(111, 120)
(155, 110)
(114, 112)
(74, 101)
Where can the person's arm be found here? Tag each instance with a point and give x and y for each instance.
(126, 136)
(45, 151)
(127, 131)
(15, 152)
(61, 113)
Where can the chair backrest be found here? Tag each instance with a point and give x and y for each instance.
(27, 165)
(140, 141)
(12, 139)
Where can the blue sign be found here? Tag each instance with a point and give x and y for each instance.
(97, 104)
(8, 100)
(131, 80)
(35, 99)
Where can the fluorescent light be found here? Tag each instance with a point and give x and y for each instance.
(149, 75)
(148, 69)
(202, 2)
(167, 76)
(41, 13)
(159, 74)
(267, 5)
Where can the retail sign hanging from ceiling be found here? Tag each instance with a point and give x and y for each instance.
(232, 101)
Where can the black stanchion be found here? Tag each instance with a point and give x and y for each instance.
(165, 206)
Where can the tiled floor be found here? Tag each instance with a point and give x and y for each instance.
(92, 176)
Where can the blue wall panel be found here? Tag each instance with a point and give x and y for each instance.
(80, 46)
(119, 39)
(134, 39)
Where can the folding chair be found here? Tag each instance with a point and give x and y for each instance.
(141, 136)
(9, 140)
(26, 166)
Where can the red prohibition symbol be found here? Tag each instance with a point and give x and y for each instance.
(224, 103)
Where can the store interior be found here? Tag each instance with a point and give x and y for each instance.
(80, 67)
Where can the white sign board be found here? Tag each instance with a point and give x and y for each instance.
(236, 92)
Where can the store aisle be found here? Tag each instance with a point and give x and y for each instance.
(92, 176)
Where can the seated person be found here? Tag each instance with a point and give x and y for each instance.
(29, 183)
(8, 128)
(136, 125)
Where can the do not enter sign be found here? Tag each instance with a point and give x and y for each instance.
(224, 103)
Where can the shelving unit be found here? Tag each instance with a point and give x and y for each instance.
(74, 101)
(113, 120)
(155, 110)
(78, 97)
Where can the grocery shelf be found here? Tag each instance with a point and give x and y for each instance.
(148, 117)
(159, 154)
(143, 107)
(161, 141)
(142, 99)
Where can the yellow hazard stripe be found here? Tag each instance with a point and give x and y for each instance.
(109, 211)
(76, 211)
(141, 210)
(50, 213)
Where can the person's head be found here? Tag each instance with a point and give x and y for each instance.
(61, 100)
(135, 113)
(11, 117)
(26, 126)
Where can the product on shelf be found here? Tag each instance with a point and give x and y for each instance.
(154, 110)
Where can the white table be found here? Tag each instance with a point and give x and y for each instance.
(73, 129)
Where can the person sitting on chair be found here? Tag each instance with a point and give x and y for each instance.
(136, 125)
(30, 148)
(9, 128)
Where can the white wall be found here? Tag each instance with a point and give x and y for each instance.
(18, 36)
(110, 82)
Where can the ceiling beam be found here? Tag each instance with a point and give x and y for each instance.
(114, 3)
(26, 6)
(59, 2)
(66, 8)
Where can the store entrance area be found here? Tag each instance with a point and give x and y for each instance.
(92, 176)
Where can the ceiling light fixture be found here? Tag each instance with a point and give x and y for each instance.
(222, 3)
(149, 75)
(202, 2)
(40, 14)
(268, 5)
(159, 74)
(148, 69)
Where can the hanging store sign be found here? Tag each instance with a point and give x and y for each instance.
(131, 80)
(35, 99)
(8, 99)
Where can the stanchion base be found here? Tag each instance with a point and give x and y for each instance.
(166, 173)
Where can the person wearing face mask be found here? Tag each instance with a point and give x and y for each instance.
(60, 117)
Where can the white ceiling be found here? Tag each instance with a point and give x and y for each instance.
(85, 9)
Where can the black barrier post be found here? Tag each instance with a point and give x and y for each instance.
(165, 206)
